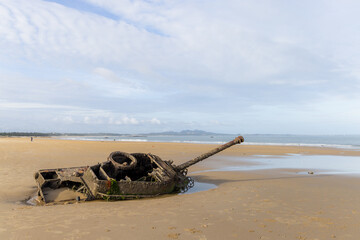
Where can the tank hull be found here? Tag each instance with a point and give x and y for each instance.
(153, 177)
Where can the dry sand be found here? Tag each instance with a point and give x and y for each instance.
(272, 204)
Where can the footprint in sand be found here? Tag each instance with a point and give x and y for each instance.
(174, 235)
(193, 230)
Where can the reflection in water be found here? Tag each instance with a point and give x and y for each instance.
(200, 186)
(325, 163)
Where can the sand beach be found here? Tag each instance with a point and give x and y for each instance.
(261, 203)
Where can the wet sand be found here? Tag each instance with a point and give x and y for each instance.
(261, 204)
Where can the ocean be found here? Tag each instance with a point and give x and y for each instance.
(334, 141)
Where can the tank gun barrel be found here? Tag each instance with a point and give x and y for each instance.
(189, 163)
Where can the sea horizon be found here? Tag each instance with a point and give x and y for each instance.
(332, 141)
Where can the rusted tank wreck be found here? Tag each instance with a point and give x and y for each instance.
(122, 176)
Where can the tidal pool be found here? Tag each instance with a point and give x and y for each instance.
(320, 164)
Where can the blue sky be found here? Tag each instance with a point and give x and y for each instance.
(126, 66)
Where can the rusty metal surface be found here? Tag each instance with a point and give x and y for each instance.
(122, 176)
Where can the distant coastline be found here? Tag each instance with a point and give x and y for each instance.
(167, 133)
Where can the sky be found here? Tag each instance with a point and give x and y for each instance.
(225, 66)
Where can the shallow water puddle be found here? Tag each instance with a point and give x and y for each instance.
(326, 164)
(200, 186)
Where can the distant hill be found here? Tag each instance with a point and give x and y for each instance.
(28, 134)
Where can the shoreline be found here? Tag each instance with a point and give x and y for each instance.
(261, 204)
(153, 139)
(346, 147)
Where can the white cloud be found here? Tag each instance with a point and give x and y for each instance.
(298, 82)
(155, 121)
(107, 74)
(126, 121)
(125, 85)
(193, 61)
(183, 38)
(63, 119)
(252, 41)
